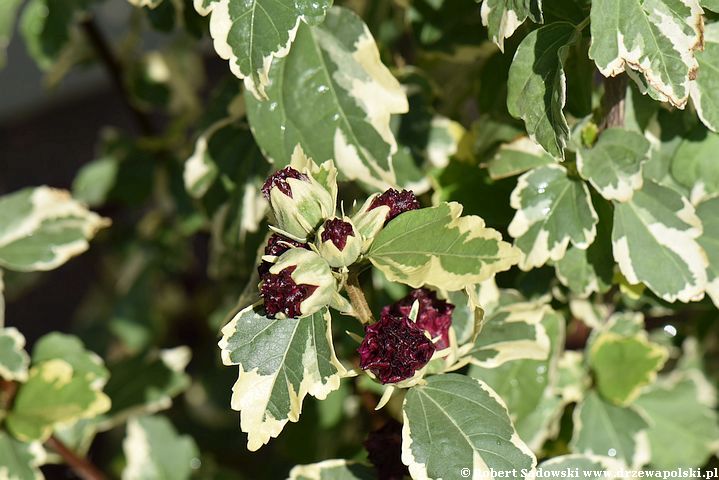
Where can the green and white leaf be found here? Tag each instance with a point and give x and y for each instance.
(708, 213)
(537, 85)
(683, 429)
(592, 467)
(512, 332)
(704, 89)
(601, 428)
(694, 164)
(552, 211)
(573, 378)
(145, 384)
(146, 3)
(70, 349)
(517, 157)
(280, 362)
(656, 39)
(654, 242)
(42, 228)
(503, 17)
(338, 469)
(439, 247)
(250, 34)
(623, 365)
(155, 451)
(584, 273)
(54, 395)
(473, 423)
(14, 360)
(20, 460)
(614, 164)
(334, 97)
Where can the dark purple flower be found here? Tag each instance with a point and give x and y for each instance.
(279, 180)
(394, 348)
(384, 450)
(398, 202)
(337, 230)
(282, 295)
(434, 315)
(277, 245)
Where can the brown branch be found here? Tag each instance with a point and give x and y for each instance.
(613, 101)
(357, 298)
(114, 71)
(82, 467)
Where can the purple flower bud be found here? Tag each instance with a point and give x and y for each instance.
(434, 315)
(277, 245)
(279, 180)
(398, 202)
(337, 230)
(282, 295)
(384, 450)
(394, 348)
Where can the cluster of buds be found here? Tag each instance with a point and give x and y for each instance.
(311, 246)
(398, 347)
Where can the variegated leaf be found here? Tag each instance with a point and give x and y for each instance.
(601, 428)
(683, 425)
(437, 246)
(473, 424)
(512, 332)
(502, 17)
(517, 157)
(339, 469)
(590, 467)
(280, 362)
(334, 97)
(705, 89)
(654, 242)
(146, 3)
(250, 34)
(537, 85)
(614, 164)
(708, 213)
(623, 365)
(552, 211)
(655, 38)
(71, 350)
(14, 360)
(155, 451)
(695, 166)
(41, 228)
(20, 460)
(573, 378)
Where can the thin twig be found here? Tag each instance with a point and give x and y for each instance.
(114, 71)
(357, 298)
(80, 465)
(613, 102)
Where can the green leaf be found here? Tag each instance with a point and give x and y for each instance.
(601, 428)
(592, 467)
(54, 394)
(14, 360)
(145, 384)
(70, 349)
(624, 365)
(155, 451)
(537, 85)
(280, 362)
(704, 89)
(683, 426)
(517, 157)
(614, 164)
(708, 213)
(250, 34)
(654, 242)
(573, 378)
(512, 332)
(473, 425)
(526, 385)
(339, 469)
(19, 460)
(41, 228)
(552, 210)
(95, 180)
(437, 246)
(8, 10)
(502, 17)
(334, 97)
(712, 5)
(655, 38)
(584, 273)
(694, 163)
